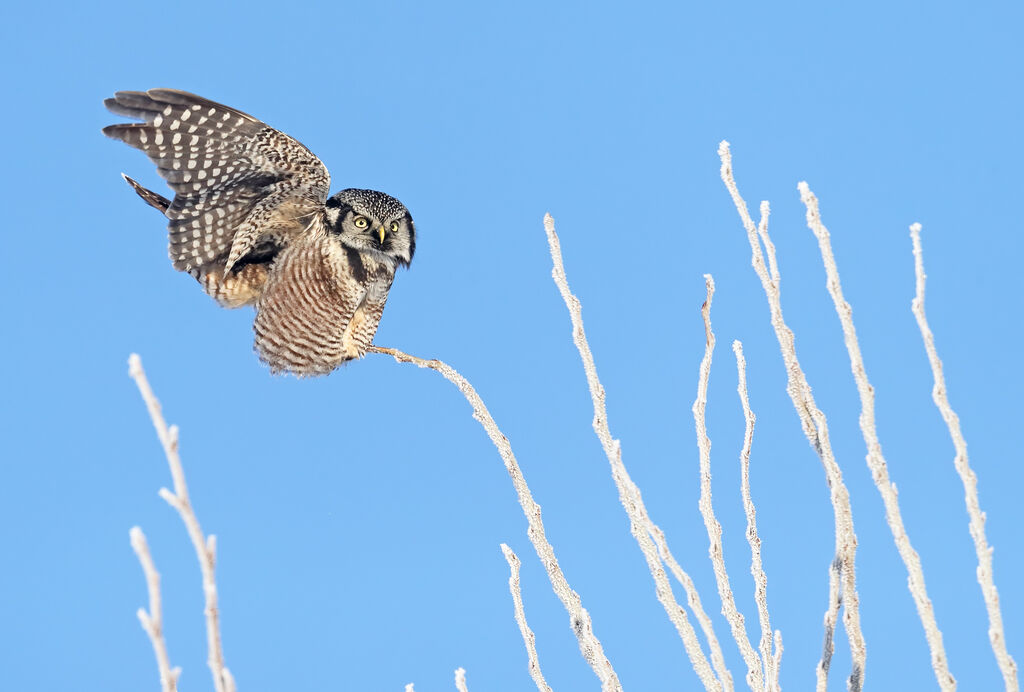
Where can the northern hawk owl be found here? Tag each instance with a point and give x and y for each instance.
(252, 222)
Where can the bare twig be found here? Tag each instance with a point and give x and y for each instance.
(816, 429)
(777, 660)
(831, 616)
(460, 680)
(996, 636)
(152, 621)
(755, 677)
(205, 547)
(528, 637)
(771, 663)
(579, 618)
(876, 461)
(647, 534)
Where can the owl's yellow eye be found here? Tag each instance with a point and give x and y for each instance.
(361, 222)
(394, 227)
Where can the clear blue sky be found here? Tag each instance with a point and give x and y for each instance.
(359, 516)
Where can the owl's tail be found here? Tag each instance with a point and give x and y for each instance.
(148, 196)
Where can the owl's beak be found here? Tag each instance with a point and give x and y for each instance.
(380, 232)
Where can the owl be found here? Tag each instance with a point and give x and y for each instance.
(252, 222)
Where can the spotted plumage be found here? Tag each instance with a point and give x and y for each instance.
(251, 221)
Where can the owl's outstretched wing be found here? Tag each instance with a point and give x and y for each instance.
(307, 307)
(235, 179)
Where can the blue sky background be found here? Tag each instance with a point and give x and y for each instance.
(359, 515)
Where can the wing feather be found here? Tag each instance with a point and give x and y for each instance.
(236, 180)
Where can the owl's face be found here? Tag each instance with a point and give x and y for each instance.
(371, 221)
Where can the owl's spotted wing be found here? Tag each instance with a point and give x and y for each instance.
(306, 308)
(235, 179)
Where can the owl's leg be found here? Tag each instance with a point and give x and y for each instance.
(239, 288)
(361, 329)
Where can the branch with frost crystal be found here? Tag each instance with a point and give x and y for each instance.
(529, 639)
(876, 461)
(771, 663)
(996, 636)
(843, 575)
(205, 546)
(152, 621)
(647, 534)
(579, 618)
(755, 677)
(460, 680)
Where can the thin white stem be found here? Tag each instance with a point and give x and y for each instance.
(875, 459)
(996, 636)
(771, 663)
(529, 639)
(460, 680)
(205, 548)
(647, 534)
(408, 688)
(579, 618)
(778, 660)
(229, 681)
(831, 617)
(755, 677)
(816, 429)
(152, 621)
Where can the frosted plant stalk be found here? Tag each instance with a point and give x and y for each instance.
(529, 639)
(842, 576)
(579, 618)
(777, 658)
(152, 621)
(205, 547)
(996, 636)
(647, 534)
(876, 461)
(755, 677)
(460, 680)
(771, 663)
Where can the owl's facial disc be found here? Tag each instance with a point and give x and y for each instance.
(374, 223)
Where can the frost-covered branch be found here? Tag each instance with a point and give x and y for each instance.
(842, 577)
(529, 639)
(876, 461)
(996, 636)
(771, 663)
(152, 621)
(205, 546)
(579, 618)
(647, 534)
(755, 676)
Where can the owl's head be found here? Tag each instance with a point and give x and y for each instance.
(371, 221)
